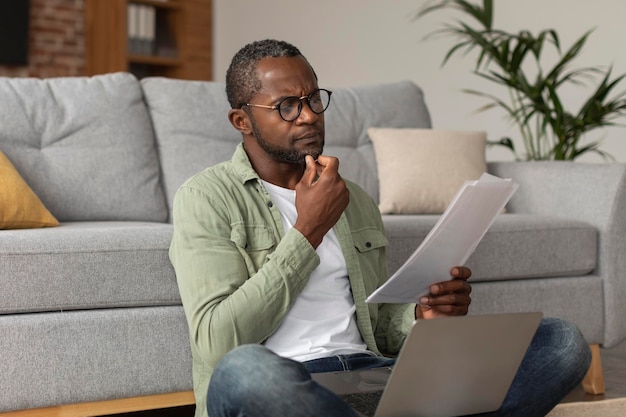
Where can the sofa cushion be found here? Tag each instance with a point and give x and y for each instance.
(86, 265)
(84, 145)
(191, 125)
(193, 132)
(96, 355)
(516, 246)
(420, 170)
(578, 299)
(20, 208)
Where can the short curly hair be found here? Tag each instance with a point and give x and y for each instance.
(242, 80)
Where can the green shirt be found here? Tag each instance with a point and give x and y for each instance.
(239, 272)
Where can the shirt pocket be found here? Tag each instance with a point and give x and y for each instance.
(371, 245)
(255, 242)
(367, 240)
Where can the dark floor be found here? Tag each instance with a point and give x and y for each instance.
(613, 363)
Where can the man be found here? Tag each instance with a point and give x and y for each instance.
(271, 282)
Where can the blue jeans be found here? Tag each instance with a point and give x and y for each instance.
(253, 381)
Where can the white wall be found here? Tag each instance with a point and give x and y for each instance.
(361, 42)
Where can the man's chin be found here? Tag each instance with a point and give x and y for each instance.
(314, 151)
(314, 154)
(293, 156)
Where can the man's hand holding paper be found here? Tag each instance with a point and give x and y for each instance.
(450, 243)
(447, 298)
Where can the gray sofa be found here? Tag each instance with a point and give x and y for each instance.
(89, 310)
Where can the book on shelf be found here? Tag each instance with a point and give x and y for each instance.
(141, 29)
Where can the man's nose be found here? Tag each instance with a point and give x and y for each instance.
(307, 115)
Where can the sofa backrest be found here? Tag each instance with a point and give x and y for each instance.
(191, 128)
(85, 146)
(193, 132)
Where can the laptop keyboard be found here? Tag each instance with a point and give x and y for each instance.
(364, 402)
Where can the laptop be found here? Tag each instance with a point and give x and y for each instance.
(447, 367)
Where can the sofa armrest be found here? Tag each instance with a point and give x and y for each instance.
(594, 193)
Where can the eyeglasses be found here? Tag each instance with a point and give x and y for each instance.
(290, 108)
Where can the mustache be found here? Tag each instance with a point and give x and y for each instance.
(310, 134)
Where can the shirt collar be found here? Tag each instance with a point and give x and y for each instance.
(242, 165)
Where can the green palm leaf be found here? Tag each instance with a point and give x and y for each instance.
(547, 128)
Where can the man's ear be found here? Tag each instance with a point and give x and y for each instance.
(240, 121)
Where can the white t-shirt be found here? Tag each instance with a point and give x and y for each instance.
(322, 321)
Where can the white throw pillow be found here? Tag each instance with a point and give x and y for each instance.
(420, 170)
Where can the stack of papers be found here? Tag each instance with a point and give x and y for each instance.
(450, 242)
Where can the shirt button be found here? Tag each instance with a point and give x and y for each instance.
(368, 244)
(270, 204)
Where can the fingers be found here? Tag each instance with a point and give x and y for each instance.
(458, 286)
(425, 311)
(456, 304)
(324, 166)
(310, 172)
(327, 161)
(461, 272)
(321, 197)
(448, 298)
(328, 166)
(454, 299)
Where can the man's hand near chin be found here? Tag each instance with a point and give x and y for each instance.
(448, 298)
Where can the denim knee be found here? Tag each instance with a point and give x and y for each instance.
(252, 380)
(556, 361)
(250, 370)
(571, 351)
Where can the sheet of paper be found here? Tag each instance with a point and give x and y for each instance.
(450, 242)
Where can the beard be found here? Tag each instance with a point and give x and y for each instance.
(284, 154)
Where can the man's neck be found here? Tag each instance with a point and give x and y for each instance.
(282, 174)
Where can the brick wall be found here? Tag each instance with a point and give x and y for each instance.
(56, 40)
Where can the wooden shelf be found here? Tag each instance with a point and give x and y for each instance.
(165, 4)
(180, 46)
(154, 60)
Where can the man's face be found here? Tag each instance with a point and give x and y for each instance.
(280, 140)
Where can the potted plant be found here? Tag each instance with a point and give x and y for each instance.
(547, 128)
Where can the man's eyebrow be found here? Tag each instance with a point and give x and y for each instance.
(303, 95)
(278, 99)
(284, 96)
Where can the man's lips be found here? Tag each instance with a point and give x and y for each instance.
(308, 136)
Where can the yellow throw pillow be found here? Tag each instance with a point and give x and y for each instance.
(420, 170)
(20, 208)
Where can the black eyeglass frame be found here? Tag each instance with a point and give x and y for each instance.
(300, 100)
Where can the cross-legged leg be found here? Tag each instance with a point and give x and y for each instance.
(252, 381)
